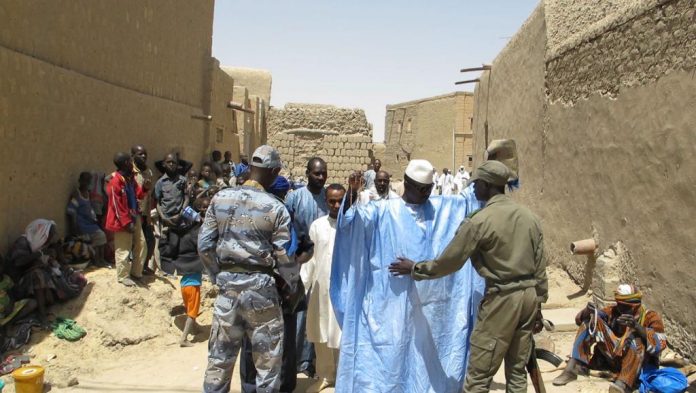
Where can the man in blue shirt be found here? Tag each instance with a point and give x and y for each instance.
(305, 206)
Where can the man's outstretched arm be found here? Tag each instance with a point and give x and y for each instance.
(452, 259)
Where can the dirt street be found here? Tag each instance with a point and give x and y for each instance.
(132, 340)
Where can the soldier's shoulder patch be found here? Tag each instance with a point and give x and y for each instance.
(473, 213)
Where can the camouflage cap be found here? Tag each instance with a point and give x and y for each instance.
(265, 157)
(492, 172)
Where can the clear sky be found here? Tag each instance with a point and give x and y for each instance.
(364, 54)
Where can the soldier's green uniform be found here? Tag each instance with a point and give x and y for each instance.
(505, 244)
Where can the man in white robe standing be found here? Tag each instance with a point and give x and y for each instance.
(398, 335)
(447, 183)
(322, 328)
(461, 178)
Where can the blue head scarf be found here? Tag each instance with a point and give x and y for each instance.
(279, 186)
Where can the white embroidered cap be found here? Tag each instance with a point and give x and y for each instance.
(421, 171)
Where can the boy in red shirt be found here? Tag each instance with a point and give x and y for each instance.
(123, 219)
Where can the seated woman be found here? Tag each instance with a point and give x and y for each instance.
(36, 265)
(83, 221)
(11, 309)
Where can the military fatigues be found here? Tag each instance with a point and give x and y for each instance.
(504, 242)
(241, 242)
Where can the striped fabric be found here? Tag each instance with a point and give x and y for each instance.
(621, 349)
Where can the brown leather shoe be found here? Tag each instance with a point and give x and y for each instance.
(573, 368)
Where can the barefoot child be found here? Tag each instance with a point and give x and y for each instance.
(189, 265)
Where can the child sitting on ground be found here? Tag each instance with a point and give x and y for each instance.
(189, 265)
(83, 220)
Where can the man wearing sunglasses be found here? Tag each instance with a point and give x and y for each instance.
(399, 335)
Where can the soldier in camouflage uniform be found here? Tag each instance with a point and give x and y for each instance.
(242, 244)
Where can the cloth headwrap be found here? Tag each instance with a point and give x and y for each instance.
(421, 171)
(279, 185)
(37, 233)
(627, 293)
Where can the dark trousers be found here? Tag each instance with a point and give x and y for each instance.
(305, 349)
(149, 233)
(288, 374)
(169, 248)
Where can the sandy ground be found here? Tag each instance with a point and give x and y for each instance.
(132, 340)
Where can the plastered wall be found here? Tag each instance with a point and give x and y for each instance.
(250, 122)
(258, 82)
(131, 43)
(222, 129)
(437, 129)
(82, 80)
(605, 137)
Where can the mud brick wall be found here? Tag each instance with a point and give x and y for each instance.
(341, 136)
(342, 153)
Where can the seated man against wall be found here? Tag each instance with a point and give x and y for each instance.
(626, 338)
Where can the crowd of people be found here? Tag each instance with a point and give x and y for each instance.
(359, 328)
(128, 220)
(311, 278)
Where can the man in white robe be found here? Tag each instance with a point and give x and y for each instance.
(461, 178)
(322, 328)
(403, 336)
(400, 336)
(447, 183)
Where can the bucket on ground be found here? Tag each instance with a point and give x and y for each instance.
(29, 379)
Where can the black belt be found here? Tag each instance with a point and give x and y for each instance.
(247, 268)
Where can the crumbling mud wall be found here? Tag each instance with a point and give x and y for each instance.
(82, 80)
(604, 123)
(341, 136)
